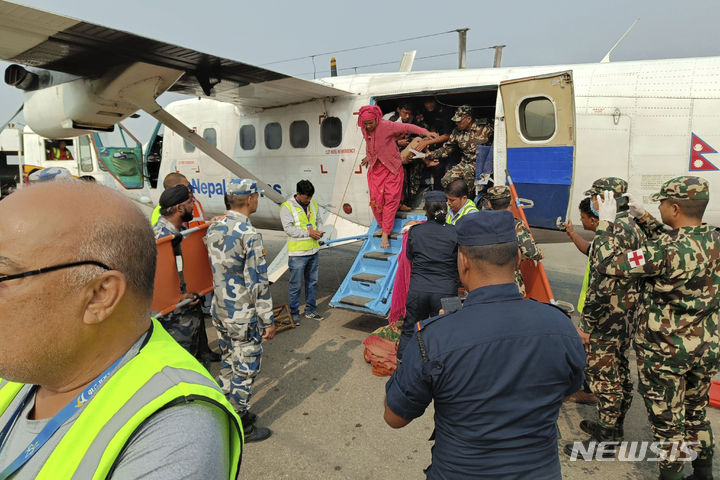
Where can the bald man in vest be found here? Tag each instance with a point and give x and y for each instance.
(90, 385)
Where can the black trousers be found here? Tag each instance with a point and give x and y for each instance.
(419, 306)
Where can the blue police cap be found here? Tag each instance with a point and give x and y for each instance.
(243, 186)
(435, 196)
(486, 227)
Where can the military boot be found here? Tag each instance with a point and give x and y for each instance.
(590, 427)
(597, 434)
(248, 419)
(252, 432)
(702, 469)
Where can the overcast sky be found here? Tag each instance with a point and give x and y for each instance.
(536, 33)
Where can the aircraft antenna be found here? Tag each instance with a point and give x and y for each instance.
(498, 55)
(606, 58)
(462, 47)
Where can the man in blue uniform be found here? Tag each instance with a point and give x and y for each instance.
(497, 369)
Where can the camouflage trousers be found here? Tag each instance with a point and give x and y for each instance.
(520, 282)
(464, 171)
(184, 327)
(241, 351)
(608, 374)
(675, 391)
(413, 171)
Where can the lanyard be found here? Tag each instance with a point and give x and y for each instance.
(76, 405)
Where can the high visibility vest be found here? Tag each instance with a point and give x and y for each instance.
(301, 220)
(58, 154)
(467, 208)
(162, 374)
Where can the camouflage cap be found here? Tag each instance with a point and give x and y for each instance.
(498, 192)
(462, 111)
(683, 188)
(51, 173)
(243, 186)
(614, 184)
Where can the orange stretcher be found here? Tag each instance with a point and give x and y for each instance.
(536, 282)
(715, 394)
(177, 275)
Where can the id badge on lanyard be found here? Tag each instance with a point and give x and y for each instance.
(76, 405)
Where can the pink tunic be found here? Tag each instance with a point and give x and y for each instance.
(380, 144)
(385, 172)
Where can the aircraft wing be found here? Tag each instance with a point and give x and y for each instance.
(45, 40)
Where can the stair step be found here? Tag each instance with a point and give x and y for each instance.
(378, 255)
(367, 277)
(356, 300)
(393, 235)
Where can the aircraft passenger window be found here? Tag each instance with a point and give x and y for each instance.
(188, 147)
(210, 135)
(247, 137)
(273, 135)
(331, 132)
(85, 154)
(537, 118)
(299, 134)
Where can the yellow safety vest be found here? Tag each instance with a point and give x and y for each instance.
(301, 220)
(160, 375)
(155, 216)
(467, 208)
(586, 282)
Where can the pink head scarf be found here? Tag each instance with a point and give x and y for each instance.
(368, 112)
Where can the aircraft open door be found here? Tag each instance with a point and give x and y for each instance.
(540, 141)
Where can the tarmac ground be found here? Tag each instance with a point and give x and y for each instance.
(325, 408)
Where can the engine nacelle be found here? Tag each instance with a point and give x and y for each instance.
(83, 105)
(71, 109)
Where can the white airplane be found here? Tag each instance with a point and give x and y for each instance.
(557, 128)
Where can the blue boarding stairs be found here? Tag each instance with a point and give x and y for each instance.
(368, 285)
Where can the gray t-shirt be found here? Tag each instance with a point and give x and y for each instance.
(185, 441)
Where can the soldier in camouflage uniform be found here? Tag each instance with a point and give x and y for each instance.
(499, 197)
(677, 341)
(466, 136)
(242, 305)
(607, 324)
(183, 324)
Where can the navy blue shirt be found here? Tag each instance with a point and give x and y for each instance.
(500, 369)
(432, 249)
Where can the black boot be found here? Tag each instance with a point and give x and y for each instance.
(702, 469)
(597, 434)
(248, 419)
(591, 427)
(256, 434)
(253, 433)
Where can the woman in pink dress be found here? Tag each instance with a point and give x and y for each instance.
(385, 171)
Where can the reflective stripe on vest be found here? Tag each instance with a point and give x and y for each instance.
(301, 220)
(586, 282)
(467, 208)
(162, 374)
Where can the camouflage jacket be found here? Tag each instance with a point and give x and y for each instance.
(610, 301)
(242, 290)
(467, 141)
(528, 248)
(678, 313)
(163, 228)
